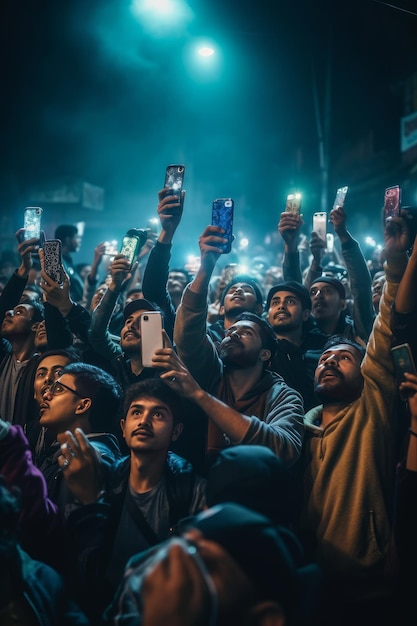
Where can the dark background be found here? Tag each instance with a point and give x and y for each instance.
(89, 93)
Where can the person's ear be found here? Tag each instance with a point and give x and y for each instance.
(267, 613)
(178, 428)
(221, 311)
(83, 405)
(306, 314)
(265, 354)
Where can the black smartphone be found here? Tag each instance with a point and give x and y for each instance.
(392, 202)
(32, 222)
(403, 362)
(52, 264)
(174, 178)
(132, 243)
(222, 215)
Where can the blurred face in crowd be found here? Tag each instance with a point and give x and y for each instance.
(41, 338)
(338, 374)
(149, 425)
(177, 281)
(18, 322)
(286, 312)
(242, 345)
(240, 297)
(130, 335)
(97, 297)
(73, 244)
(377, 286)
(135, 295)
(326, 303)
(62, 405)
(48, 370)
(30, 295)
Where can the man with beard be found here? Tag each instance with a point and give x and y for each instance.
(241, 294)
(125, 358)
(300, 342)
(349, 460)
(328, 295)
(256, 406)
(147, 492)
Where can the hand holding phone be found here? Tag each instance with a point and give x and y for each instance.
(392, 202)
(132, 243)
(174, 178)
(222, 215)
(403, 362)
(32, 222)
(52, 260)
(320, 224)
(293, 204)
(340, 197)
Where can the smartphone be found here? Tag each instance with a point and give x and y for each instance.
(330, 242)
(151, 334)
(293, 204)
(132, 243)
(320, 224)
(222, 215)
(403, 362)
(392, 202)
(340, 197)
(174, 178)
(32, 222)
(52, 250)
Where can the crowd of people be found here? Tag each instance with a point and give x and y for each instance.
(262, 472)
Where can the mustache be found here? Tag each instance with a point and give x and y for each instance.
(231, 340)
(142, 429)
(334, 371)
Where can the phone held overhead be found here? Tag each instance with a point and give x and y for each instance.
(32, 222)
(222, 215)
(132, 243)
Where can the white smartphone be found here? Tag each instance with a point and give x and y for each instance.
(330, 243)
(320, 224)
(151, 334)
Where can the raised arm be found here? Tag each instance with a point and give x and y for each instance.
(289, 227)
(155, 276)
(359, 276)
(282, 431)
(14, 287)
(98, 335)
(190, 331)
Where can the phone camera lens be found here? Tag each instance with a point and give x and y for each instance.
(180, 169)
(146, 317)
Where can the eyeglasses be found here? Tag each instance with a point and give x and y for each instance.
(58, 387)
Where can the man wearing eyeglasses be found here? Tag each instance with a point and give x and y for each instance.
(83, 397)
(146, 494)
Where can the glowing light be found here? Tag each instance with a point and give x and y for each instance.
(155, 14)
(244, 242)
(370, 241)
(205, 51)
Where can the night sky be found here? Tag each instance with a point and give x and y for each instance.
(90, 93)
